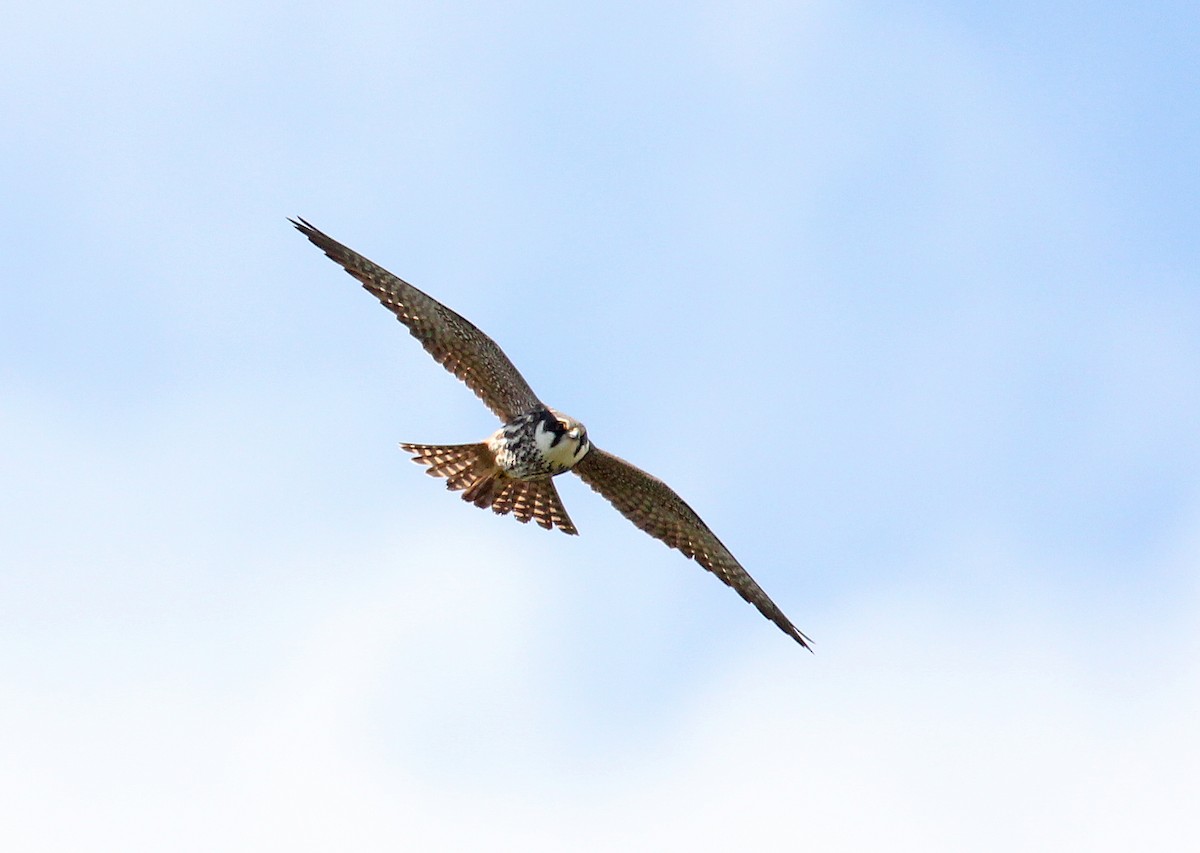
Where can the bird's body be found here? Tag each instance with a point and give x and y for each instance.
(512, 471)
(539, 444)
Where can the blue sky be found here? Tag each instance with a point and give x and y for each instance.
(905, 301)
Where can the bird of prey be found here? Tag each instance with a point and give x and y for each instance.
(511, 471)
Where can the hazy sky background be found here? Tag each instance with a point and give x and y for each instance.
(904, 300)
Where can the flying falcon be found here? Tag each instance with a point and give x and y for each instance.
(511, 472)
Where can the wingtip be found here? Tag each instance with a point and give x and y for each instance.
(800, 637)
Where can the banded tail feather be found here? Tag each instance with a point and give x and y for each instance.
(472, 470)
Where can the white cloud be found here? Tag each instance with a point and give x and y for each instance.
(944, 737)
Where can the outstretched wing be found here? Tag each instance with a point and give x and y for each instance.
(654, 507)
(452, 340)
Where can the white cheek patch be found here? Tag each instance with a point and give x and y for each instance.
(564, 454)
(543, 439)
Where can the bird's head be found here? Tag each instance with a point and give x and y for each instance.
(572, 441)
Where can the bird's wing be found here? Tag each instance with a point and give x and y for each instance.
(653, 506)
(453, 341)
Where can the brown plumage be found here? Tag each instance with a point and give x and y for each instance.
(471, 468)
(453, 341)
(511, 472)
(654, 507)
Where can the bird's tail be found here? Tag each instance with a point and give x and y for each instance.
(463, 465)
(472, 469)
